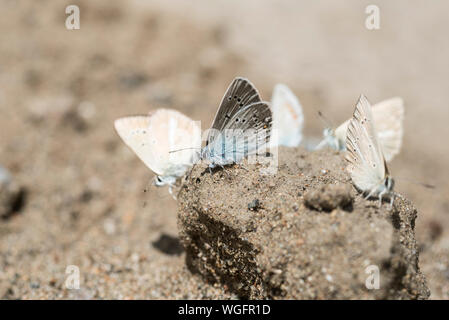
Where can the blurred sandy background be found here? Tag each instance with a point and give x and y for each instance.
(87, 197)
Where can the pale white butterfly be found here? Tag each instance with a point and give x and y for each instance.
(241, 126)
(288, 118)
(152, 138)
(388, 116)
(366, 163)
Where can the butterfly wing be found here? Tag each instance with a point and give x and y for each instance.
(240, 94)
(153, 137)
(389, 116)
(176, 140)
(246, 133)
(288, 118)
(134, 131)
(366, 162)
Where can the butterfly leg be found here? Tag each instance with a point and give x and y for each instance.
(380, 199)
(381, 194)
(391, 200)
(321, 145)
(370, 194)
(190, 171)
(225, 171)
(170, 190)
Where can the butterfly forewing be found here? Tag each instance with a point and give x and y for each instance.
(366, 162)
(152, 138)
(240, 94)
(176, 138)
(134, 131)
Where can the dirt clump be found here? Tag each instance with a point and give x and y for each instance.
(264, 236)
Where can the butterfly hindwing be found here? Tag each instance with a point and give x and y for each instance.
(246, 133)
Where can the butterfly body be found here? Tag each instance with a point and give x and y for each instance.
(331, 140)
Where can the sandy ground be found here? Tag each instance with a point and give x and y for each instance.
(88, 200)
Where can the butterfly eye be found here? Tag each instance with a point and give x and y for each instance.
(235, 97)
(243, 120)
(237, 120)
(229, 98)
(241, 104)
(239, 99)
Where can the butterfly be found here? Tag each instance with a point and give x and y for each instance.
(241, 127)
(153, 137)
(366, 162)
(388, 116)
(288, 118)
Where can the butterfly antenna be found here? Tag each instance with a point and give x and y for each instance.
(326, 122)
(173, 151)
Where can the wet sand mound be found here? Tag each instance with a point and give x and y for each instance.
(302, 233)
